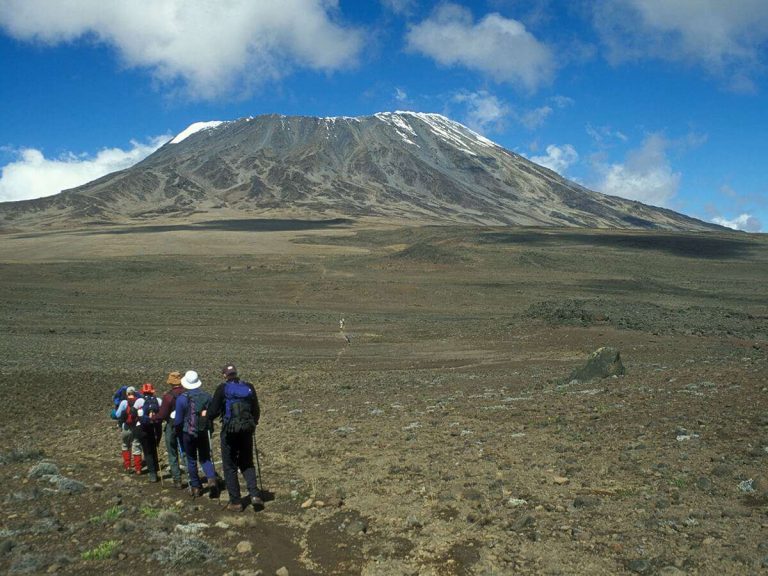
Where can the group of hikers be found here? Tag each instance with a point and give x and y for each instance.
(185, 416)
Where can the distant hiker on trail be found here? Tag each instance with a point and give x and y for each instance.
(149, 430)
(192, 425)
(166, 415)
(236, 402)
(127, 421)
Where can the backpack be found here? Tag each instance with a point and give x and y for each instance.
(119, 396)
(195, 424)
(130, 416)
(151, 406)
(238, 412)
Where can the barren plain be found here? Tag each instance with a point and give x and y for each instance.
(439, 433)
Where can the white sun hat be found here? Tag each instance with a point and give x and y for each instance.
(191, 380)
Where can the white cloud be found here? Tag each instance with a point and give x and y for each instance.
(401, 95)
(33, 175)
(500, 47)
(602, 135)
(399, 6)
(558, 158)
(532, 119)
(646, 174)
(745, 222)
(725, 38)
(210, 48)
(485, 112)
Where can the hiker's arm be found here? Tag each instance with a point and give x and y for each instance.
(121, 408)
(214, 408)
(165, 408)
(181, 407)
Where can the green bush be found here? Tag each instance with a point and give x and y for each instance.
(102, 551)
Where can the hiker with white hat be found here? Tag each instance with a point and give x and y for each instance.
(193, 427)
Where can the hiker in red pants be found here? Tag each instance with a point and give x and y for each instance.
(127, 420)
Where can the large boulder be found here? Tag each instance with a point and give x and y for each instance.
(602, 363)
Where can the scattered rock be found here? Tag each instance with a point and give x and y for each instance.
(6, 546)
(123, 525)
(244, 547)
(412, 521)
(560, 480)
(356, 527)
(747, 486)
(307, 503)
(602, 363)
(586, 501)
(704, 483)
(639, 566)
(282, 571)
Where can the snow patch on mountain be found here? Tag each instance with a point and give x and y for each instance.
(194, 128)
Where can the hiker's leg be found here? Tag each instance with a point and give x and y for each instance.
(246, 463)
(173, 451)
(230, 469)
(125, 445)
(204, 449)
(190, 447)
(150, 451)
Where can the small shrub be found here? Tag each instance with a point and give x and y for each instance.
(20, 454)
(150, 512)
(108, 515)
(102, 551)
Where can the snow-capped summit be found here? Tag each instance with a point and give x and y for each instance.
(408, 166)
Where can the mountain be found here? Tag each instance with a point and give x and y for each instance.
(400, 166)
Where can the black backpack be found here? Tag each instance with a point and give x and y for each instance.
(151, 406)
(238, 412)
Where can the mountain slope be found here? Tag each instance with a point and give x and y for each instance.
(403, 165)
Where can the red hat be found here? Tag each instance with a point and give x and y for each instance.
(147, 388)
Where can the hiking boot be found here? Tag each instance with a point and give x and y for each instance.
(177, 484)
(153, 477)
(213, 488)
(196, 492)
(234, 507)
(257, 503)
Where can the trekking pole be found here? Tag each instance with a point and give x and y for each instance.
(157, 452)
(260, 482)
(183, 455)
(210, 447)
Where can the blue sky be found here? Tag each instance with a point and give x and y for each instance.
(662, 101)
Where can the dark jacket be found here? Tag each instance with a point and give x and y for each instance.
(169, 404)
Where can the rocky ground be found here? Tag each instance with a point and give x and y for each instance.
(440, 433)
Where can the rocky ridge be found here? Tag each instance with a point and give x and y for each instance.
(403, 166)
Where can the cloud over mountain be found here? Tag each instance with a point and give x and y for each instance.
(496, 46)
(206, 50)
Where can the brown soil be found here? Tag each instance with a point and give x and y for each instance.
(437, 434)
